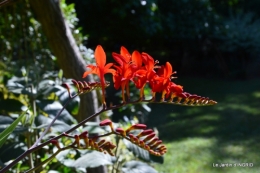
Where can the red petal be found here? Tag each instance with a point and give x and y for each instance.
(86, 73)
(108, 70)
(148, 61)
(93, 69)
(168, 70)
(100, 56)
(119, 59)
(124, 52)
(137, 59)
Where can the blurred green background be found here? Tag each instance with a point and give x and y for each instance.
(214, 46)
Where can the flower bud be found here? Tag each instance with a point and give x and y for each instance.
(136, 127)
(100, 143)
(107, 122)
(121, 131)
(144, 133)
(56, 143)
(153, 141)
(149, 137)
(76, 137)
(91, 144)
(83, 135)
(157, 143)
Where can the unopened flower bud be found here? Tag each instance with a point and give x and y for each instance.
(56, 143)
(155, 139)
(107, 122)
(144, 133)
(76, 137)
(67, 87)
(157, 143)
(121, 131)
(134, 139)
(83, 135)
(136, 127)
(91, 144)
(149, 137)
(100, 143)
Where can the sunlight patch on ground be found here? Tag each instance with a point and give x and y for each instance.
(256, 94)
(192, 155)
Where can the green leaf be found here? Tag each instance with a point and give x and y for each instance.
(14, 85)
(6, 121)
(58, 126)
(137, 167)
(88, 158)
(142, 153)
(93, 159)
(52, 108)
(4, 135)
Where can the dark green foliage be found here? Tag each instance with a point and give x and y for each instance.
(200, 37)
(22, 41)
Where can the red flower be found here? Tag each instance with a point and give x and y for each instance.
(161, 81)
(100, 69)
(149, 66)
(125, 71)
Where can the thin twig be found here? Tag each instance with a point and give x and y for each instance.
(49, 126)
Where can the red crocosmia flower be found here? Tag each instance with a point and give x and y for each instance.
(100, 69)
(166, 73)
(144, 73)
(136, 60)
(162, 80)
(173, 90)
(125, 71)
(124, 52)
(154, 80)
(140, 73)
(139, 78)
(149, 65)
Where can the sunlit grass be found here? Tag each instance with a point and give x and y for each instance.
(194, 155)
(197, 137)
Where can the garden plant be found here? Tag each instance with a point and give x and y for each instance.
(139, 69)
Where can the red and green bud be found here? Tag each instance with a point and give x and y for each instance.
(144, 133)
(121, 131)
(136, 127)
(107, 122)
(76, 137)
(149, 137)
(56, 143)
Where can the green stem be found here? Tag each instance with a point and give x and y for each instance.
(116, 154)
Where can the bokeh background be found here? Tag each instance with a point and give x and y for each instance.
(213, 45)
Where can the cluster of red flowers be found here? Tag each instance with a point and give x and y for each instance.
(138, 68)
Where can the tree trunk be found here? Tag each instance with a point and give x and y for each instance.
(64, 47)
